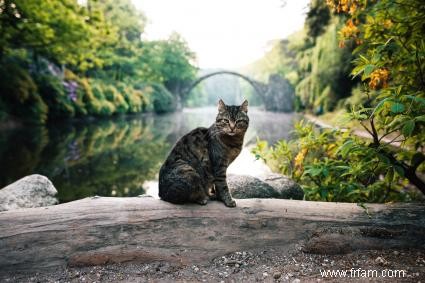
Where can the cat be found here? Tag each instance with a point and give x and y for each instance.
(195, 169)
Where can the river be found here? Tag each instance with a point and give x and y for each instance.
(119, 156)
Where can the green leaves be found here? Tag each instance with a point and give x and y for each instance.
(368, 69)
(335, 166)
(408, 128)
(397, 107)
(399, 170)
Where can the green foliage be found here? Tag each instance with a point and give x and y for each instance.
(34, 110)
(390, 62)
(53, 94)
(19, 94)
(280, 59)
(136, 99)
(169, 62)
(318, 17)
(198, 97)
(163, 101)
(324, 71)
(16, 84)
(61, 31)
(85, 59)
(113, 96)
(176, 67)
(92, 103)
(332, 165)
(103, 106)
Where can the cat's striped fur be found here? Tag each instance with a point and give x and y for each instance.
(196, 167)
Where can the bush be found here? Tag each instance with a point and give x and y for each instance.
(53, 93)
(324, 71)
(19, 94)
(93, 104)
(74, 90)
(16, 84)
(357, 98)
(73, 96)
(134, 98)
(106, 107)
(332, 165)
(163, 100)
(34, 110)
(113, 96)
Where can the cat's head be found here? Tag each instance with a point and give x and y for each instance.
(232, 120)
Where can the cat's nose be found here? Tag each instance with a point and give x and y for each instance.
(232, 126)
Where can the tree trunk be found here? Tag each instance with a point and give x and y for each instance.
(111, 230)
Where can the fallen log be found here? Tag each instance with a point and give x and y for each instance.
(96, 231)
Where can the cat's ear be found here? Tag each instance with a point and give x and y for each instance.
(221, 106)
(244, 106)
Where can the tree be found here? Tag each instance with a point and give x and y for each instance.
(119, 55)
(61, 31)
(390, 60)
(386, 39)
(169, 62)
(318, 17)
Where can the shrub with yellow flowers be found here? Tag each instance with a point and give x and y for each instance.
(334, 165)
(389, 53)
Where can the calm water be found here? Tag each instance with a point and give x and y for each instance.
(118, 157)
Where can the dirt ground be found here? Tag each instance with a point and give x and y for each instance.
(262, 265)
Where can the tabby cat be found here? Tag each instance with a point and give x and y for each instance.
(195, 170)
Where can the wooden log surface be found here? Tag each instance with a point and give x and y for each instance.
(111, 230)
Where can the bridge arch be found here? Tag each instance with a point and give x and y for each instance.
(259, 88)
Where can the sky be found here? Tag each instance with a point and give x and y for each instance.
(224, 33)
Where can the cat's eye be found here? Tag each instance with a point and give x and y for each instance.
(241, 123)
(224, 121)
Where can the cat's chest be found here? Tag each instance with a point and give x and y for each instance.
(232, 154)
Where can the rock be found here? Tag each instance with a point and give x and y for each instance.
(287, 187)
(381, 261)
(30, 191)
(277, 275)
(272, 185)
(243, 186)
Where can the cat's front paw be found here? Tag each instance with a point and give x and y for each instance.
(230, 203)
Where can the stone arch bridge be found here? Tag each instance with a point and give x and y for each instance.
(277, 94)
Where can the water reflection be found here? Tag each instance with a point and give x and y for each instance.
(111, 158)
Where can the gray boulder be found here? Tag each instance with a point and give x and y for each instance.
(272, 185)
(30, 191)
